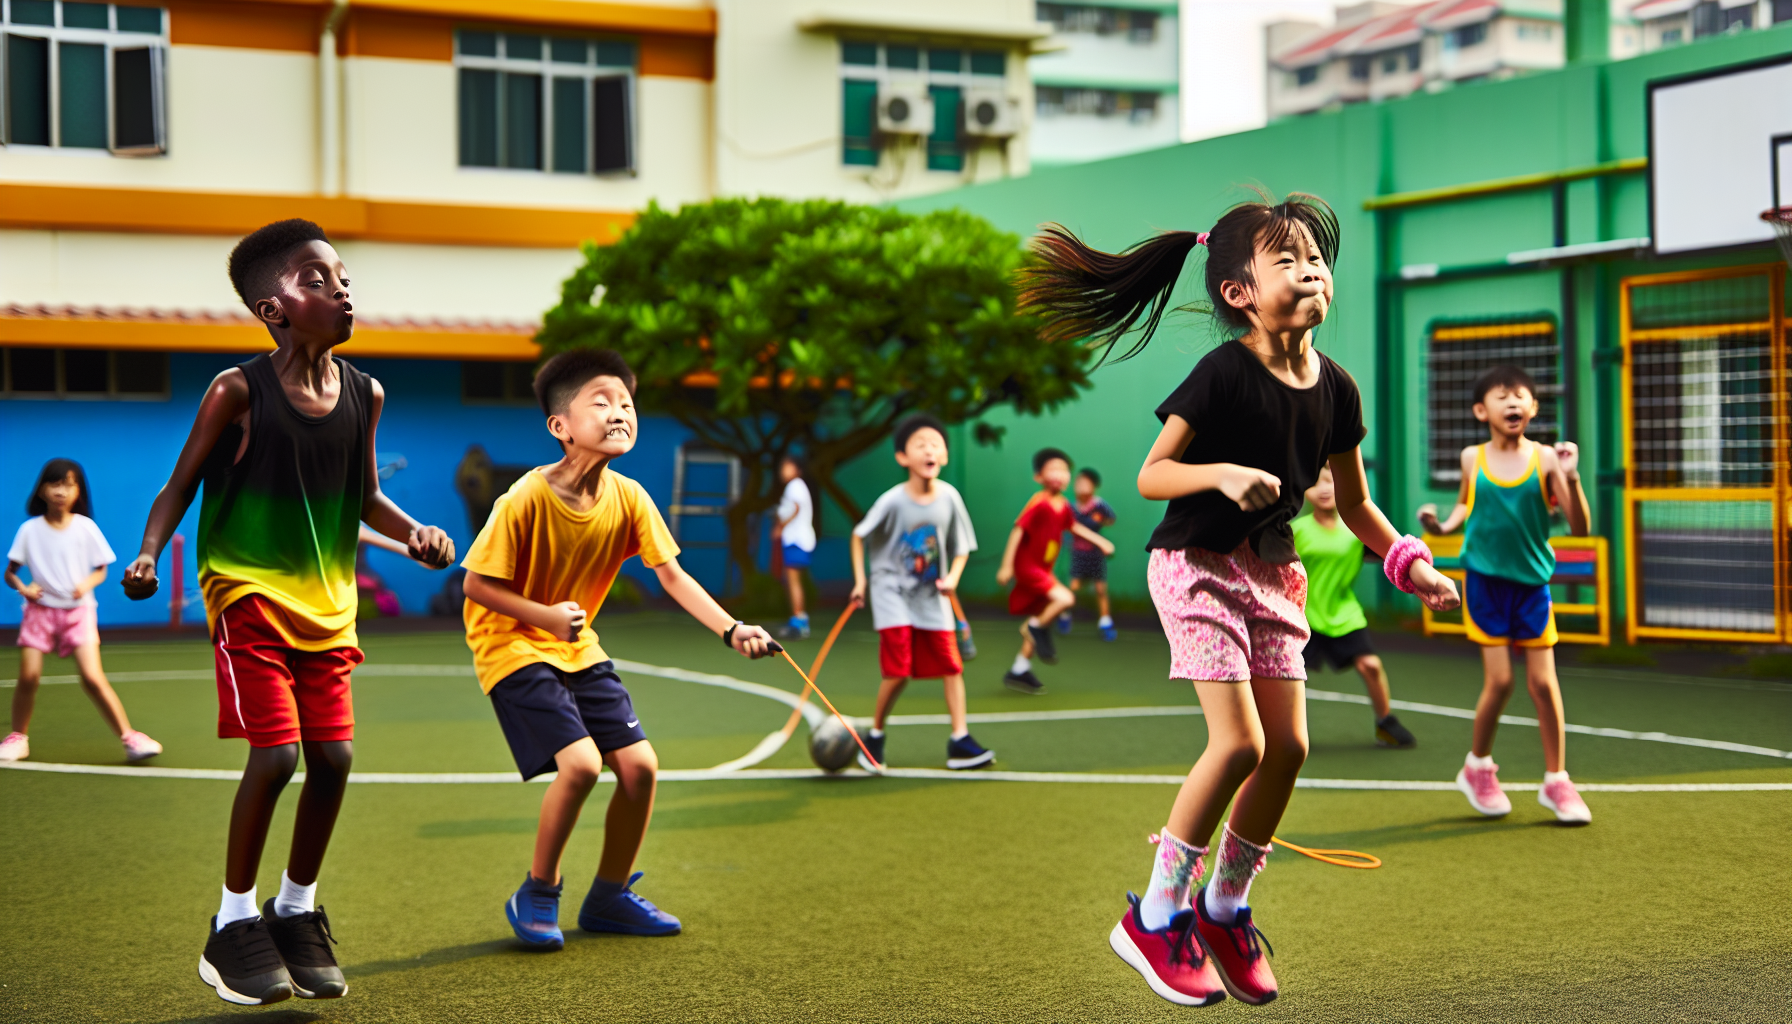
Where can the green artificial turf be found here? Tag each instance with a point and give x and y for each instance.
(860, 899)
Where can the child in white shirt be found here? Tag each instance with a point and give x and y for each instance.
(796, 533)
(67, 556)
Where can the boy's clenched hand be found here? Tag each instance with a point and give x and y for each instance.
(432, 546)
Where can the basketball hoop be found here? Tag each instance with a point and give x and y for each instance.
(1781, 221)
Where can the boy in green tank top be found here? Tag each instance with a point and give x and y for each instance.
(1509, 486)
(1333, 557)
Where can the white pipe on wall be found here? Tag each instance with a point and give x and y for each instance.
(329, 103)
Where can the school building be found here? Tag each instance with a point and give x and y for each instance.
(458, 152)
(1598, 224)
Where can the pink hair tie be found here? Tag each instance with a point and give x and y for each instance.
(1201, 239)
(1398, 564)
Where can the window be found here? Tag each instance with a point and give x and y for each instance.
(545, 103)
(866, 66)
(1307, 75)
(1057, 102)
(1672, 37)
(1359, 68)
(84, 76)
(1737, 19)
(1468, 35)
(1412, 57)
(1460, 351)
(483, 383)
(1782, 11)
(1537, 33)
(83, 373)
(1136, 26)
(1390, 63)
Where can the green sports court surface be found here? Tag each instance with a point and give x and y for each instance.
(923, 898)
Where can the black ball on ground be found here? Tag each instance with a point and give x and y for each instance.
(831, 747)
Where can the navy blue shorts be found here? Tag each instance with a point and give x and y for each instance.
(1499, 612)
(543, 710)
(795, 557)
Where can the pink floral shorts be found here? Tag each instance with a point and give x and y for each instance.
(1230, 617)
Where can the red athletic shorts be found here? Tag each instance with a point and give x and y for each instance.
(270, 693)
(1032, 591)
(905, 652)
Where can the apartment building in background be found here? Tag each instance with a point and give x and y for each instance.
(1111, 84)
(1667, 23)
(1378, 50)
(458, 153)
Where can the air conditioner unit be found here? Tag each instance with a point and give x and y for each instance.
(904, 110)
(990, 113)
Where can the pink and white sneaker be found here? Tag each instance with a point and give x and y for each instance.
(1561, 797)
(15, 747)
(138, 747)
(1482, 787)
(1170, 958)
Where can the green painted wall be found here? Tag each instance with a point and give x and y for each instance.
(1587, 114)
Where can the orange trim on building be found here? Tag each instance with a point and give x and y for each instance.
(55, 207)
(256, 26)
(678, 57)
(372, 340)
(585, 14)
(377, 33)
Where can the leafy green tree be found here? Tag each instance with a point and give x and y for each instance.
(770, 326)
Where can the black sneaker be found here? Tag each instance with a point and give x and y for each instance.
(304, 942)
(1023, 682)
(967, 753)
(875, 744)
(1390, 733)
(1045, 648)
(242, 963)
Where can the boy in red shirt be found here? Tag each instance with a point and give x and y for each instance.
(1028, 560)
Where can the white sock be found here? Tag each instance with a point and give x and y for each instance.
(1479, 762)
(236, 906)
(875, 733)
(1549, 777)
(1035, 623)
(1021, 665)
(959, 734)
(295, 898)
(1106, 620)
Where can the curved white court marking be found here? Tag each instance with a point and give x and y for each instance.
(720, 775)
(813, 715)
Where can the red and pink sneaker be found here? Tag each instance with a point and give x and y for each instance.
(1169, 958)
(1561, 797)
(1482, 787)
(1237, 952)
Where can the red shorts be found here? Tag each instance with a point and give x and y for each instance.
(1032, 592)
(905, 652)
(272, 694)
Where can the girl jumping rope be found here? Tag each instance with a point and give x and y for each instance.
(1243, 438)
(67, 556)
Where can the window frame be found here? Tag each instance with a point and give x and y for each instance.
(61, 392)
(549, 70)
(113, 40)
(1476, 335)
(882, 74)
(514, 383)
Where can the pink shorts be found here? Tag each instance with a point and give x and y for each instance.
(56, 630)
(1230, 617)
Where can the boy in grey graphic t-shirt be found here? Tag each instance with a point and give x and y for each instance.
(919, 537)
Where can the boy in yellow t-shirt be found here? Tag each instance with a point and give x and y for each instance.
(537, 572)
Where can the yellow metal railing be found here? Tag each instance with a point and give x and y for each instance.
(1571, 554)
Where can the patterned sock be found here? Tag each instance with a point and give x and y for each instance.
(1177, 865)
(1238, 863)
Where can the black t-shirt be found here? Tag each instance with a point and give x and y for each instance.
(1241, 413)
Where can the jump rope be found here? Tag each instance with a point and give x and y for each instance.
(1338, 858)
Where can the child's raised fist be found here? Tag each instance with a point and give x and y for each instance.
(139, 581)
(1568, 457)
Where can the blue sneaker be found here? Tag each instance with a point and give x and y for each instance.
(796, 629)
(534, 912)
(1064, 624)
(967, 753)
(608, 909)
(1109, 633)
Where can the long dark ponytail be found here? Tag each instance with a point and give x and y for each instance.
(1083, 292)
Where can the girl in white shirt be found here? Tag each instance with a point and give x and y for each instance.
(796, 532)
(67, 556)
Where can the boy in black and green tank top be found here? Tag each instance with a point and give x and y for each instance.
(1509, 486)
(283, 444)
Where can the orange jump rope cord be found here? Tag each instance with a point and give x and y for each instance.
(830, 705)
(796, 713)
(1341, 858)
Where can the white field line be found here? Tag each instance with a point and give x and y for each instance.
(718, 775)
(813, 715)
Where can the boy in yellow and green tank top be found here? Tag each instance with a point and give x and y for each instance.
(1509, 486)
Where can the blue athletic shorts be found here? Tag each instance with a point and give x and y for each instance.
(1500, 612)
(543, 710)
(795, 557)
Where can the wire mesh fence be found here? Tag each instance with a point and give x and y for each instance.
(1707, 565)
(1460, 351)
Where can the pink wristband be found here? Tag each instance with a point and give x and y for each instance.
(1398, 564)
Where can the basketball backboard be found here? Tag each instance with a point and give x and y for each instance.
(1720, 152)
